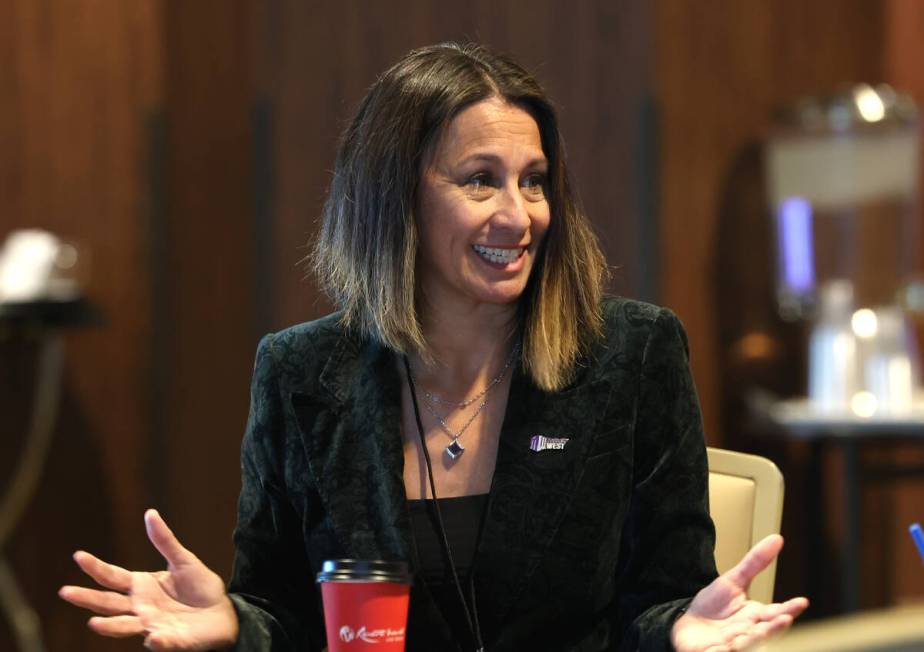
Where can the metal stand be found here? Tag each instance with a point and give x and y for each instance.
(22, 618)
(852, 509)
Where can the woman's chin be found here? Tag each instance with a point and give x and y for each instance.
(501, 296)
(474, 292)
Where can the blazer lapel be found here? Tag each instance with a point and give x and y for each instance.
(533, 490)
(352, 437)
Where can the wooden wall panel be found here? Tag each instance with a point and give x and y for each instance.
(206, 315)
(77, 80)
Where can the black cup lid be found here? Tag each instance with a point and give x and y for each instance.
(364, 570)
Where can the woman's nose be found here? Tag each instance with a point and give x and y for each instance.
(512, 211)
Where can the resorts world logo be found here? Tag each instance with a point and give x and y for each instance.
(383, 635)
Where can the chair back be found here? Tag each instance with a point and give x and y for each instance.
(746, 503)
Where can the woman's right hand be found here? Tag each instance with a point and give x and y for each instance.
(182, 608)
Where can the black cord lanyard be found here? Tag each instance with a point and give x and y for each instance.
(471, 616)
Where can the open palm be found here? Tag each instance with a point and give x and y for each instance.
(182, 608)
(722, 618)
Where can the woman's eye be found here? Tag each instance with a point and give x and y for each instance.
(534, 185)
(478, 183)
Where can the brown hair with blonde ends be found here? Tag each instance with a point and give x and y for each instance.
(366, 251)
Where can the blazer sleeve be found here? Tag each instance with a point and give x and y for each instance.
(272, 587)
(667, 547)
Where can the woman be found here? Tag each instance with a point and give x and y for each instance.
(562, 428)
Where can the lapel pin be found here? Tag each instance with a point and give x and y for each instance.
(542, 443)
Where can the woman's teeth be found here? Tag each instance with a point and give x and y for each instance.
(497, 255)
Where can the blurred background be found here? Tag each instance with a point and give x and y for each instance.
(185, 149)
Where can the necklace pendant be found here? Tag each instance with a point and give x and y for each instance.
(455, 449)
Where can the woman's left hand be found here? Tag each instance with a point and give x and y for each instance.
(722, 618)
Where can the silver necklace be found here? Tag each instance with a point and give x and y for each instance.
(455, 448)
(437, 400)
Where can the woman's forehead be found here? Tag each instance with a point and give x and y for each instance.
(488, 128)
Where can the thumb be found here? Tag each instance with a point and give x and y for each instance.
(165, 541)
(756, 559)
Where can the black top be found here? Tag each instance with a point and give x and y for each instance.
(461, 520)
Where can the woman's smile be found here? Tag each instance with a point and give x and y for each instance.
(499, 257)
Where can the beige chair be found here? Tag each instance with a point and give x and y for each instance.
(746, 502)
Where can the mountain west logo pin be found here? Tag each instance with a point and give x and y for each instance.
(542, 443)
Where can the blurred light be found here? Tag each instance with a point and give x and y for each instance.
(840, 117)
(913, 296)
(754, 348)
(864, 323)
(794, 221)
(67, 256)
(864, 404)
(869, 104)
(26, 262)
(842, 345)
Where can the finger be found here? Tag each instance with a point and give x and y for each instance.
(105, 603)
(795, 606)
(763, 630)
(155, 642)
(740, 642)
(159, 641)
(164, 540)
(778, 624)
(116, 626)
(756, 559)
(108, 575)
(732, 630)
(754, 633)
(792, 607)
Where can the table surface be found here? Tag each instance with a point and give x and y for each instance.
(51, 314)
(896, 628)
(800, 418)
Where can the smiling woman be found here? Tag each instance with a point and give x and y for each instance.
(482, 213)
(404, 141)
(550, 495)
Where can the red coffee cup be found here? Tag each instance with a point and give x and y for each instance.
(365, 604)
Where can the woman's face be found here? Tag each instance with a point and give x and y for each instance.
(482, 209)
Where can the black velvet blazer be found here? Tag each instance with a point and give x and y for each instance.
(598, 546)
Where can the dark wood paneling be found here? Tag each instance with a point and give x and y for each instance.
(208, 273)
(76, 80)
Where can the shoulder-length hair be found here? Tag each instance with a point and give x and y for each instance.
(366, 251)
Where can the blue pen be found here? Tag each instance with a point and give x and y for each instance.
(918, 537)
